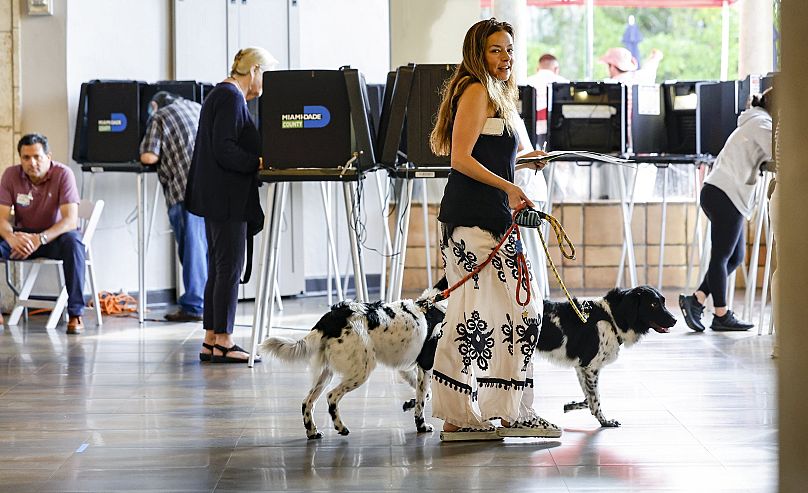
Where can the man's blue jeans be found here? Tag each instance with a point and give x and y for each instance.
(189, 230)
(68, 248)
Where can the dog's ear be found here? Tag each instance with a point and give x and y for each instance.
(442, 284)
(628, 310)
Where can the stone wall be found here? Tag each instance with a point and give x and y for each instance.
(9, 81)
(10, 98)
(596, 231)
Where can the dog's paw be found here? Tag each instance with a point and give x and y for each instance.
(572, 406)
(343, 431)
(609, 423)
(425, 428)
(409, 405)
(315, 436)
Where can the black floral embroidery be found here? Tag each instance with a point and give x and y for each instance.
(443, 247)
(496, 262)
(475, 342)
(509, 252)
(507, 331)
(528, 336)
(529, 269)
(467, 259)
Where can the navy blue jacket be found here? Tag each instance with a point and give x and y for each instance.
(222, 182)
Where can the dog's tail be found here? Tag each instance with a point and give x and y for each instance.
(287, 349)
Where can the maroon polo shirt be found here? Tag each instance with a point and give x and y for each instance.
(36, 207)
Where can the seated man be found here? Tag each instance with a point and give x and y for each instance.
(45, 200)
(169, 142)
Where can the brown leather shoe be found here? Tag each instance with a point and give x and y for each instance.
(75, 325)
(182, 316)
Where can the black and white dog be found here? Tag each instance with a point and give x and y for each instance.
(623, 316)
(352, 337)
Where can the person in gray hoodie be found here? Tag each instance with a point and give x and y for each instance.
(727, 199)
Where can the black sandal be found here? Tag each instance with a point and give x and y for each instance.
(224, 358)
(206, 356)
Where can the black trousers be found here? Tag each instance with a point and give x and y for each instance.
(226, 244)
(68, 248)
(727, 236)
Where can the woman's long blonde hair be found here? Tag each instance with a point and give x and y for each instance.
(246, 58)
(501, 94)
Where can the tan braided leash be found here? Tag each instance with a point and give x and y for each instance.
(563, 242)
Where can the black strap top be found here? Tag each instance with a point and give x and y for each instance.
(468, 202)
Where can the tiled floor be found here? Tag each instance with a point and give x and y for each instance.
(124, 408)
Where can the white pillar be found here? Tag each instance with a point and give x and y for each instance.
(514, 12)
(756, 37)
(425, 31)
(725, 40)
(590, 39)
(792, 242)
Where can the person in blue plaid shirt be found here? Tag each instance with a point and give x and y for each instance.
(169, 142)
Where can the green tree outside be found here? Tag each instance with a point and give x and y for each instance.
(690, 39)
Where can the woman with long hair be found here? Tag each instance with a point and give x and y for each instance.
(483, 365)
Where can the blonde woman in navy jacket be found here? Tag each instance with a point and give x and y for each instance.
(223, 188)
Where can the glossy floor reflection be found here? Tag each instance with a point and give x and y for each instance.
(125, 408)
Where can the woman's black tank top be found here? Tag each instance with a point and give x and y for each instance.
(468, 202)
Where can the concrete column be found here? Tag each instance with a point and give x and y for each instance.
(9, 102)
(9, 81)
(515, 13)
(792, 238)
(756, 37)
(425, 31)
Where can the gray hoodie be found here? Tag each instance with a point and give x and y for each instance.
(735, 170)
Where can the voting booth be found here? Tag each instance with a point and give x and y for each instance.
(108, 122)
(112, 116)
(587, 116)
(316, 126)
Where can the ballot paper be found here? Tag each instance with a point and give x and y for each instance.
(576, 156)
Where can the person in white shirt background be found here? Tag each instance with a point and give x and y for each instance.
(728, 200)
(547, 72)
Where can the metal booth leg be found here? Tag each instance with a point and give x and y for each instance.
(265, 292)
(398, 185)
(545, 228)
(332, 251)
(384, 205)
(141, 247)
(751, 276)
(427, 243)
(767, 267)
(397, 276)
(628, 240)
(356, 249)
(662, 231)
(698, 241)
(153, 213)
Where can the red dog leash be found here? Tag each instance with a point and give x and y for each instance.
(530, 218)
(522, 273)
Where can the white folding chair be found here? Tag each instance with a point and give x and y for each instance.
(89, 213)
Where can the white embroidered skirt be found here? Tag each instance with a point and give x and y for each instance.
(483, 365)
